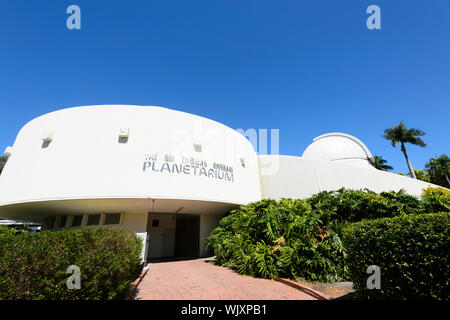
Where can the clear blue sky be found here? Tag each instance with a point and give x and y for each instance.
(304, 67)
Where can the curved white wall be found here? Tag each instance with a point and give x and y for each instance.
(86, 160)
(295, 177)
(87, 169)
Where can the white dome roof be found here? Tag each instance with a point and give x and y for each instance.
(339, 147)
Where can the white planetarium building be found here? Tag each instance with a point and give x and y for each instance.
(166, 175)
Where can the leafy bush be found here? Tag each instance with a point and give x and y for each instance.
(291, 238)
(33, 266)
(411, 251)
(356, 205)
(436, 200)
(4, 230)
(271, 239)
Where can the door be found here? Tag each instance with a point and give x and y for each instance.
(187, 235)
(155, 239)
(161, 235)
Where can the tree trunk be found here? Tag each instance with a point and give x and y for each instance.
(411, 169)
(446, 178)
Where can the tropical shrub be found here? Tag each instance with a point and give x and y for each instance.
(436, 200)
(271, 239)
(356, 205)
(302, 238)
(5, 231)
(33, 266)
(13, 230)
(411, 252)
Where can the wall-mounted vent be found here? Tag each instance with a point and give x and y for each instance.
(124, 133)
(47, 136)
(242, 159)
(198, 145)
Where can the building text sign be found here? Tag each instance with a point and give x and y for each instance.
(168, 164)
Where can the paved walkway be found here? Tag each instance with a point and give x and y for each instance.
(201, 280)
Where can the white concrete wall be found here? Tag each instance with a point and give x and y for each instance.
(86, 160)
(135, 222)
(295, 177)
(207, 224)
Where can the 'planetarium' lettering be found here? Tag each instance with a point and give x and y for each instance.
(188, 166)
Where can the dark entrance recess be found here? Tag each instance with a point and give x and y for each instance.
(187, 235)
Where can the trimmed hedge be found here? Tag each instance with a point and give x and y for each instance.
(33, 266)
(411, 251)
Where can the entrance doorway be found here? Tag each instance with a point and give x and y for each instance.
(172, 235)
(187, 235)
(161, 235)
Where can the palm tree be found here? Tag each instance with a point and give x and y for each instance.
(422, 175)
(379, 163)
(439, 170)
(402, 134)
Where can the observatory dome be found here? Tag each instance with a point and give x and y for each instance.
(340, 147)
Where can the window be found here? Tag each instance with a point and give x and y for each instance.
(94, 220)
(112, 218)
(155, 223)
(77, 221)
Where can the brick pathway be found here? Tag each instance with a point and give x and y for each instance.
(200, 280)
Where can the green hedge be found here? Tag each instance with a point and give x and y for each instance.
(33, 266)
(302, 238)
(436, 200)
(356, 205)
(411, 251)
(271, 239)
